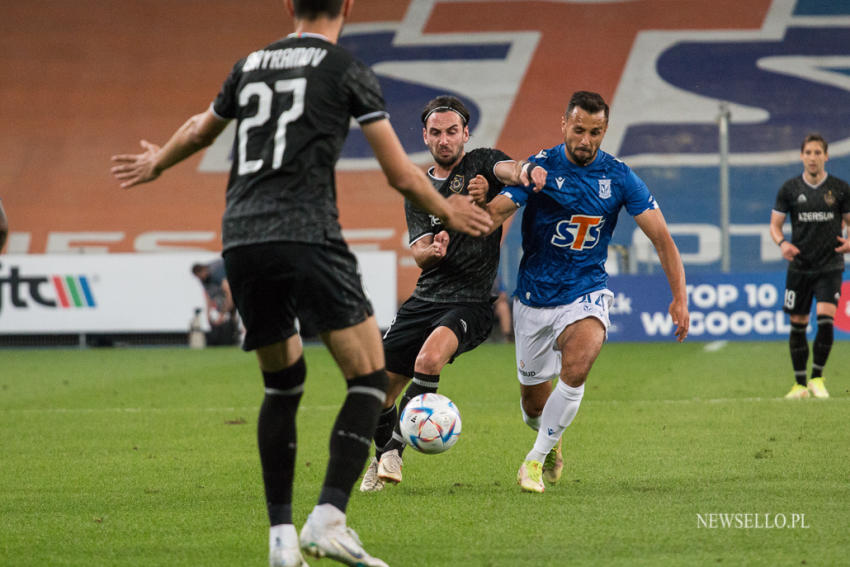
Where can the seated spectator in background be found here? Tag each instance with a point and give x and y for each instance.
(221, 311)
(4, 226)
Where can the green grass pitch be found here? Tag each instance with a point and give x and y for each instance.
(148, 457)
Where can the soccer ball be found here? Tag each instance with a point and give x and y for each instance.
(430, 423)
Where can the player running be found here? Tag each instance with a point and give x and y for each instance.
(450, 311)
(562, 301)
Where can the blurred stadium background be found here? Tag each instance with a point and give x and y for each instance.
(88, 79)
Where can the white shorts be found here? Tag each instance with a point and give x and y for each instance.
(536, 331)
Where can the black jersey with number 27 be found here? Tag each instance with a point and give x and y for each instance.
(293, 102)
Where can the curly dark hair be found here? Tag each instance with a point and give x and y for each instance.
(444, 103)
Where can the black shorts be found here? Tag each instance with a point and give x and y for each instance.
(417, 319)
(801, 287)
(273, 283)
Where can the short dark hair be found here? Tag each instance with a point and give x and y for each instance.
(588, 101)
(445, 103)
(312, 9)
(814, 137)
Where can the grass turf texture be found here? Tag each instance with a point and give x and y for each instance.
(148, 457)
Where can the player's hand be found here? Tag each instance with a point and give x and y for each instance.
(538, 177)
(440, 244)
(843, 245)
(478, 187)
(789, 251)
(134, 169)
(681, 318)
(464, 216)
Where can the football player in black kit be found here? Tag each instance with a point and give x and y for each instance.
(285, 256)
(819, 205)
(450, 311)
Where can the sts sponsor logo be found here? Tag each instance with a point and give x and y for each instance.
(579, 232)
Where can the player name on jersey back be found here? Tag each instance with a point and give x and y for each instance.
(288, 58)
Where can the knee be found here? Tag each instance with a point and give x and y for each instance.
(574, 373)
(429, 362)
(532, 407)
(574, 380)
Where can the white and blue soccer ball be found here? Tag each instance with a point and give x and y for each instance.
(430, 423)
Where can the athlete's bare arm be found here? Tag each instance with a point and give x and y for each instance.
(457, 212)
(509, 172)
(516, 173)
(196, 133)
(653, 225)
(500, 208)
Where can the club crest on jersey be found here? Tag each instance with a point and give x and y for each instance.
(829, 198)
(456, 184)
(604, 188)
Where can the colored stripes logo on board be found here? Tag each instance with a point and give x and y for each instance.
(56, 291)
(73, 291)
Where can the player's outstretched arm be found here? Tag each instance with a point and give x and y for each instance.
(500, 208)
(196, 133)
(457, 212)
(521, 173)
(653, 225)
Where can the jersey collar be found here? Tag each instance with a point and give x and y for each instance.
(825, 177)
(308, 34)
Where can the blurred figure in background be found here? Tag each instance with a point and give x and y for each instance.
(221, 311)
(819, 205)
(4, 226)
